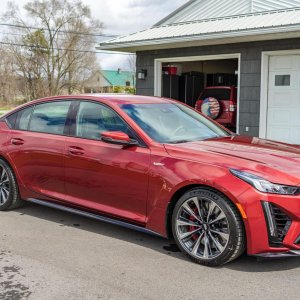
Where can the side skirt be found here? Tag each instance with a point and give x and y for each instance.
(93, 216)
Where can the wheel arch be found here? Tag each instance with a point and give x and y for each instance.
(6, 160)
(180, 192)
(13, 168)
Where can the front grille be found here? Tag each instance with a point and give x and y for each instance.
(278, 223)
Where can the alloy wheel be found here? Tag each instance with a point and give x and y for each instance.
(202, 228)
(4, 186)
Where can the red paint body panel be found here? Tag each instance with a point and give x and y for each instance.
(39, 162)
(137, 183)
(108, 178)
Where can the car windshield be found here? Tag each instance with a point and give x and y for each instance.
(172, 122)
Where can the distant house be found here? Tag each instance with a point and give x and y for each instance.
(108, 81)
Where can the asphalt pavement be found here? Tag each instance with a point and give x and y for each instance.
(49, 254)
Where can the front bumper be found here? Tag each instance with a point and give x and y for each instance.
(264, 239)
(290, 253)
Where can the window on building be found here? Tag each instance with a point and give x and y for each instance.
(282, 80)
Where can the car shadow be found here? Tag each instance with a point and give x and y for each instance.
(167, 247)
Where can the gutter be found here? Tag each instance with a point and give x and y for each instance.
(201, 37)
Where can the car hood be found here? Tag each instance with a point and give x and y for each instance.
(276, 162)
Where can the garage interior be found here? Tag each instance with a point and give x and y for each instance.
(185, 81)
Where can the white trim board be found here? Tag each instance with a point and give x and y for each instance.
(158, 72)
(265, 87)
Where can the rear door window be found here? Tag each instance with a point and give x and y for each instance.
(50, 117)
(23, 118)
(20, 119)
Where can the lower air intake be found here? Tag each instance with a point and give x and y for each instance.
(278, 223)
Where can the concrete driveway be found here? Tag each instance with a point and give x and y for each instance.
(49, 254)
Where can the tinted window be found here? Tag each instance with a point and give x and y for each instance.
(93, 118)
(20, 119)
(11, 120)
(24, 118)
(172, 123)
(220, 94)
(50, 117)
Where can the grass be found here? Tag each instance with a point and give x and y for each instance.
(5, 109)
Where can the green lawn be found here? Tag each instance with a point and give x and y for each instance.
(2, 112)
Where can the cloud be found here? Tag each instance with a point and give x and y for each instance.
(145, 3)
(131, 15)
(122, 17)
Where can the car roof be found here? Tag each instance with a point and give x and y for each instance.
(117, 99)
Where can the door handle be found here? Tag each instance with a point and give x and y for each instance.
(76, 150)
(16, 141)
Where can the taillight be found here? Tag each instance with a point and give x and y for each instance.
(232, 107)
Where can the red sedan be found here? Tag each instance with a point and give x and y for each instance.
(154, 165)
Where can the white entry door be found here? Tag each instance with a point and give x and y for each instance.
(283, 114)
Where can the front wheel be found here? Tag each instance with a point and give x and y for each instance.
(207, 227)
(9, 193)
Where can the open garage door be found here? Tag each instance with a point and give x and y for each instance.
(206, 85)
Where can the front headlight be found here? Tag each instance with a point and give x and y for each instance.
(266, 186)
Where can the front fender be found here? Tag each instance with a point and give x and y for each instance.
(173, 175)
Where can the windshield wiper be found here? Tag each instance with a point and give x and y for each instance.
(215, 137)
(180, 142)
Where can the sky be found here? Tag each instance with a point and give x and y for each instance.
(121, 17)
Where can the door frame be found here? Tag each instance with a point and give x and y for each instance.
(264, 91)
(158, 72)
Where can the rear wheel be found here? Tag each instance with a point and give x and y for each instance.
(9, 193)
(207, 227)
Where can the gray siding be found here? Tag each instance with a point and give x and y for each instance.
(250, 73)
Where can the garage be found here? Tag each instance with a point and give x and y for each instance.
(283, 113)
(213, 81)
(256, 41)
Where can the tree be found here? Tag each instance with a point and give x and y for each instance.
(131, 63)
(57, 38)
(9, 88)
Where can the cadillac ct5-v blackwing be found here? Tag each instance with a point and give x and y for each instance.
(154, 165)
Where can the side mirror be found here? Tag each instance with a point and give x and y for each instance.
(117, 138)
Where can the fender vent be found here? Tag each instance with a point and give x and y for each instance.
(278, 223)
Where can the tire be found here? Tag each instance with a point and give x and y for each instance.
(208, 228)
(9, 192)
